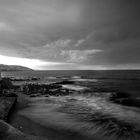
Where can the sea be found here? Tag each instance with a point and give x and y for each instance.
(105, 106)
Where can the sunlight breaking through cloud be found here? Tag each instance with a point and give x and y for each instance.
(31, 63)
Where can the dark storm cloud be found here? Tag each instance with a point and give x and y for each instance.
(92, 32)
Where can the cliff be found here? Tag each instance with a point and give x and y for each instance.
(13, 68)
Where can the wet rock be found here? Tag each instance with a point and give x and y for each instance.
(40, 88)
(126, 98)
(6, 83)
(16, 79)
(10, 95)
(7, 132)
(66, 82)
(6, 104)
(135, 102)
(119, 95)
(53, 89)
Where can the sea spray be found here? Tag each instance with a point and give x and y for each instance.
(88, 116)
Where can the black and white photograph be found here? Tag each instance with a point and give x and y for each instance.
(69, 69)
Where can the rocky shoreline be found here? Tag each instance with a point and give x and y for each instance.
(8, 100)
(9, 93)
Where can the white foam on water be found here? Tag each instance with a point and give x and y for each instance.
(46, 111)
(76, 77)
(75, 87)
(51, 78)
(84, 80)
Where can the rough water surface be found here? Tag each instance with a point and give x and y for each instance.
(92, 117)
(94, 114)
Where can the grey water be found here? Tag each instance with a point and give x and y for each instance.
(85, 114)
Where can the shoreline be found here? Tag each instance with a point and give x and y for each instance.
(31, 127)
(7, 130)
(29, 116)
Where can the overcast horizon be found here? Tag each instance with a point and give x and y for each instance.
(70, 34)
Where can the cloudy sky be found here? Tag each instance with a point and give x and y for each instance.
(70, 34)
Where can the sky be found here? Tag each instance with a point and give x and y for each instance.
(70, 34)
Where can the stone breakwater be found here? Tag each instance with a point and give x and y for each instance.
(7, 98)
(6, 106)
(7, 132)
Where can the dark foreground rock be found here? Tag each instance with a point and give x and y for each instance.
(6, 83)
(7, 132)
(6, 104)
(130, 98)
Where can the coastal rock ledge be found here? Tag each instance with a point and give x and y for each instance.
(6, 105)
(7, 132)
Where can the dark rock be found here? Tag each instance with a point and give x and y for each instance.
(6, 83)
(66, 82)
(118, 95)
(7, 132)
(16, 79)
(128, 102)
(39, 88)
(54, 89)
(126, 98)
(10, 95)
(6, 104)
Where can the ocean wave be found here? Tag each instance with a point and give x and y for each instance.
(76, 77)
(75, 87)
(84, 80)
(91, 116)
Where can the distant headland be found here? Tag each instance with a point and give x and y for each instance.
(13, 68)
